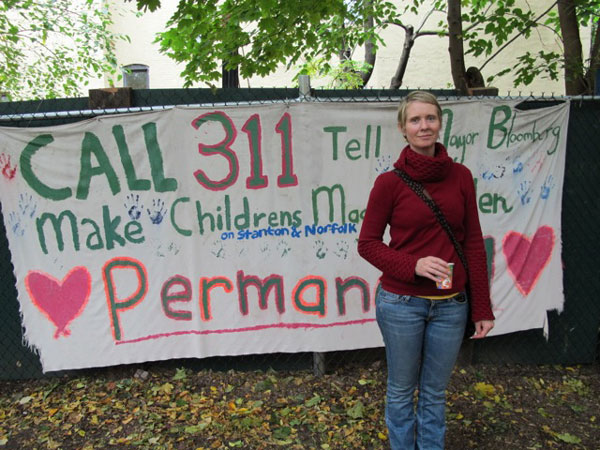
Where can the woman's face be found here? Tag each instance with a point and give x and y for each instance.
(422, 127)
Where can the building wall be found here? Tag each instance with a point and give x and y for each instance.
(428, 67)
(163, 72)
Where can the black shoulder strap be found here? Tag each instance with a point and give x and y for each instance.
(439, 215)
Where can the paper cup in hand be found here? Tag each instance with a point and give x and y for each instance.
(446, 283)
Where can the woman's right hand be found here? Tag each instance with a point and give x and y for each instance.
(433, 268)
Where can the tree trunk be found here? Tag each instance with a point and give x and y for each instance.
(230, 78)
(574, 80)
(409, 41)
(590, 75)
(455, 47)
(370, 54)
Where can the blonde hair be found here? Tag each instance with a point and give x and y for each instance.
(417, 96)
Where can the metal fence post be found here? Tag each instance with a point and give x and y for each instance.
(304, 86)
(318, 357)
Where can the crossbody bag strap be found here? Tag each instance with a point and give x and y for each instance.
(420, 190)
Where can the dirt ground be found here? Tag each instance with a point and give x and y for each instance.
(489, 407)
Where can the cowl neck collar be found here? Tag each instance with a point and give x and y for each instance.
(424, 168)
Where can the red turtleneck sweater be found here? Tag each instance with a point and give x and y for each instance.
(415, 232)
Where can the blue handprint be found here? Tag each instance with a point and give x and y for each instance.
(496, 172)
(547, 187)
(133, 206)
(157, 214)
(27, 206)
(524, 192)
(14, 222)
(384, 164)
(518, 167)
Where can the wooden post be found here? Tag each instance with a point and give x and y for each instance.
(318, 364)
(482, 91)
(109, 98)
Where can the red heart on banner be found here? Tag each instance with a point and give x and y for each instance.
(526, 258)
(60, 301)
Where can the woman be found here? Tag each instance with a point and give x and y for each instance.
(423, 326)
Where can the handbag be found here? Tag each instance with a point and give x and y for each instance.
(422, 193)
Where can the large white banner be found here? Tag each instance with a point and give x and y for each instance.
(233, 230)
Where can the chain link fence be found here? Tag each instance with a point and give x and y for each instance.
(573, 336)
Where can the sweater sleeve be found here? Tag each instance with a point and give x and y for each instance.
(474, 250)
(371, 247)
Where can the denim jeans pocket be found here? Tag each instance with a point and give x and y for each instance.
(460, 299)
(390, 297)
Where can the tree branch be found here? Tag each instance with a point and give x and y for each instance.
(397, 23)
(420, 33)
(516, 36)
(425, 19)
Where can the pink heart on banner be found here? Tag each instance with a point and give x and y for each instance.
(526, 258)
(60, 301)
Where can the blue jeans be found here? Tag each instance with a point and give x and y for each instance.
(422, 338)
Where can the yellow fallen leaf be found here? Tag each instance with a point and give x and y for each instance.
(25, 400)
(52, 444)
(485, 389)
(167, 388)
(382, 436)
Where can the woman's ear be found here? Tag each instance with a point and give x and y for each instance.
(401, 128)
